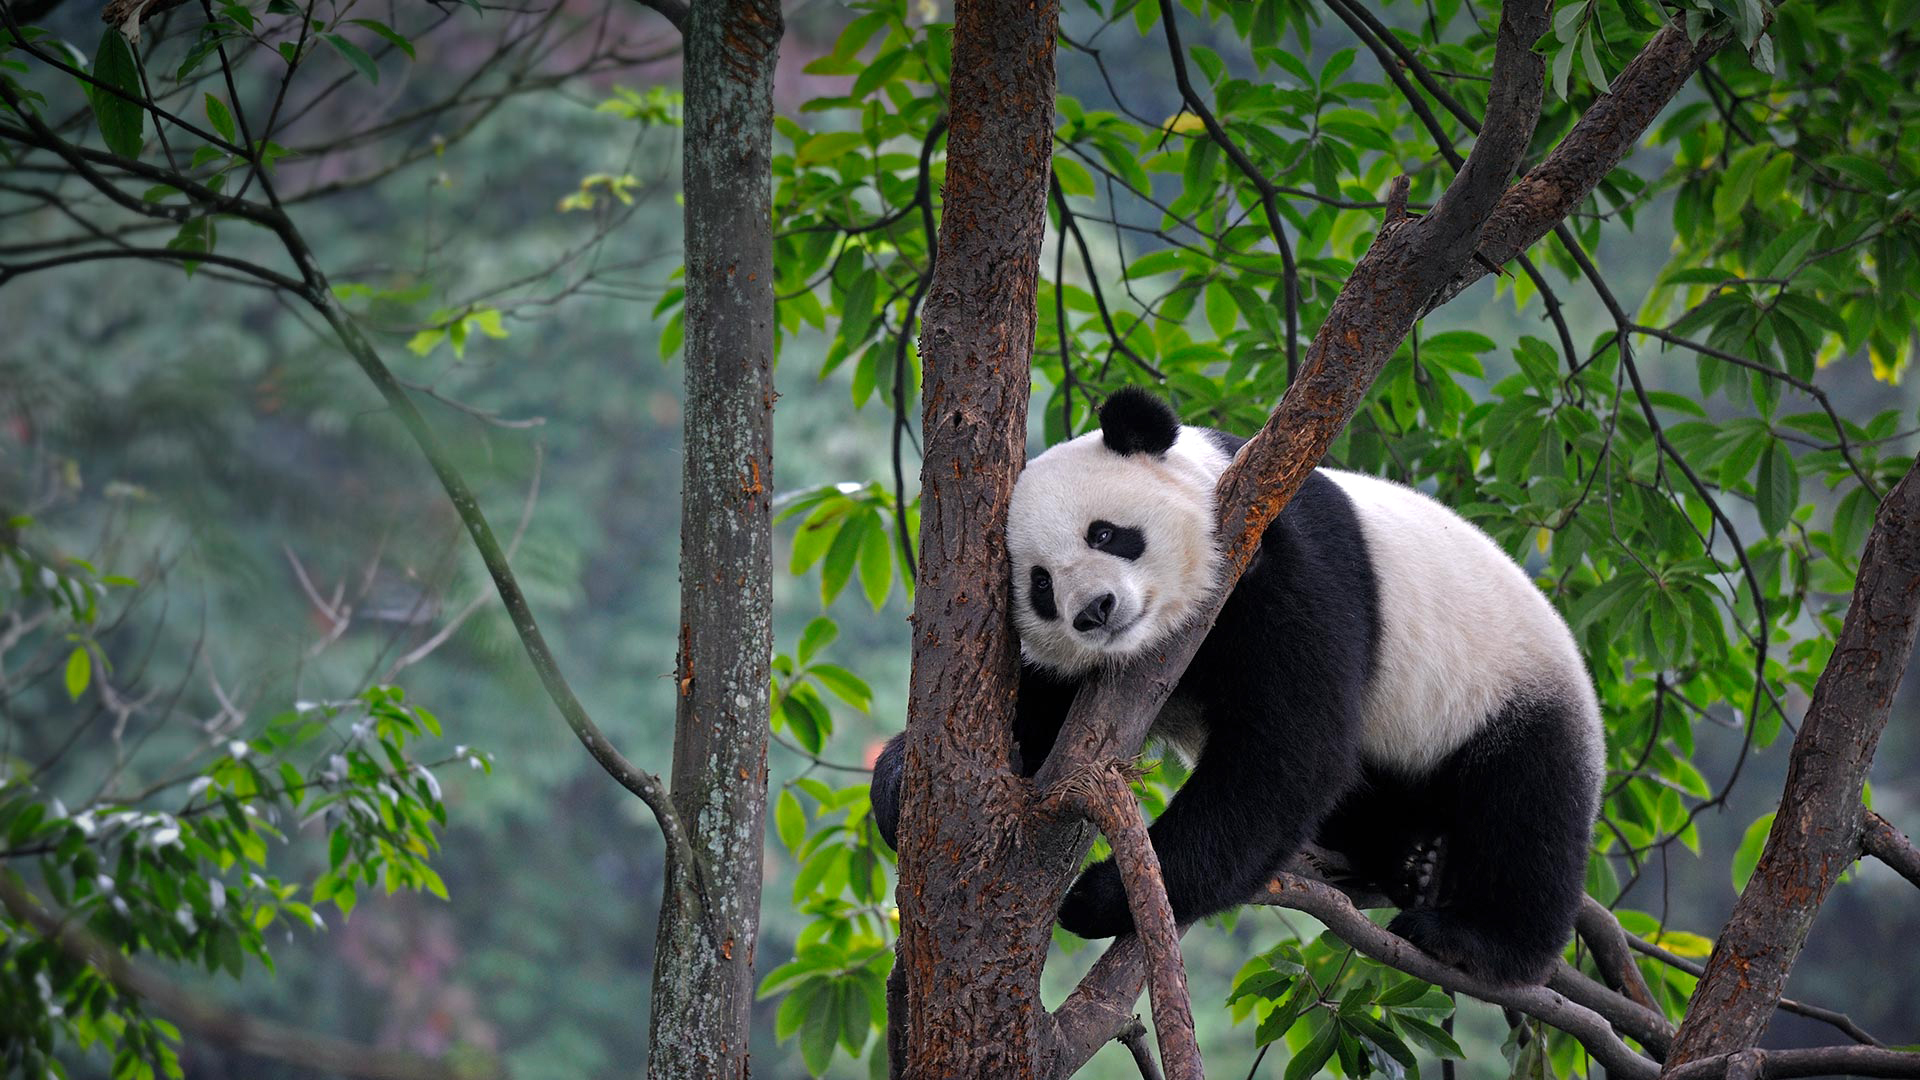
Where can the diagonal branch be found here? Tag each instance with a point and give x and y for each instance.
(1326, 903)
(1816, 833)
(1605, 134)
(676, 11)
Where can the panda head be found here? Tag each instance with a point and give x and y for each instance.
(1112, 537)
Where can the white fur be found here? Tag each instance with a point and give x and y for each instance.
(1169, 497)
(1463, 630)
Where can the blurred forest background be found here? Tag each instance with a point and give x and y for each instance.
(208, 441)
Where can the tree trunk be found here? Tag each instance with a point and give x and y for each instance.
(710, 914)
(1816, 833)
(974, 924)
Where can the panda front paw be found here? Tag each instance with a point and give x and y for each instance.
(1096, 906)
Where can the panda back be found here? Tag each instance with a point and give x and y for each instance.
(1463, 631)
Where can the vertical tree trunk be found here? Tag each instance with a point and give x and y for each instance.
(1816, 833)
(710, 915)
(975, 920)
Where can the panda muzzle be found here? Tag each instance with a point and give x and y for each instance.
(1095, 614)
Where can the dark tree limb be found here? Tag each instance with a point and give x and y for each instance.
(1590, 1028)
(1269, 203)
(1884, 842)
(1604, 135)
(676, 11)
(1817, 831)
(1837, 1020)
(1100, 1008)
(1102, 795)
(228, 1027)
(1817, 1061)
(1607, 941)
(1135, 1040)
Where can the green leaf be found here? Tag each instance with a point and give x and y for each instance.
(1562, 68)
(843, 684)
(220, 117)
(387, 32)
(79, 671)
(122, 122)
(790, 820)
(837, 568)
(819, 633)
(1777, 489)
(876, 565)
(355, 55)
(1074, 177)
(1752, 842)
(1315, 1054)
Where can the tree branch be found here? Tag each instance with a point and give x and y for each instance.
(1605, 134)
(1607, 941)
(1757, 1064)
(228, 1027)
(675, 10)
(1884, 842)
(1330, 906)
(1102, 795)
(1816, 833)
(630, 776)
(1268, 204)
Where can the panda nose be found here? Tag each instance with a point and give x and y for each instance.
(1094, 614)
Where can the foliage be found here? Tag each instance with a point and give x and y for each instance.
(1701, 544)
(1700, 532)
(182, 870)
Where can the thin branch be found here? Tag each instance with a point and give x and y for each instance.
(1330, 906)
(675, 10)
(1818, 1061)
(1839, 1021)
(228, 1027)
(1135, 1040)
(1268, 204)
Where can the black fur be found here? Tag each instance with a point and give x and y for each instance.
(1121, 540)
(1133, 421)
(1486, 854)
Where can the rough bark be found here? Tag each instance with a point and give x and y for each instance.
(1605, 134)
(710, 914)
(1817, 832)
(974, 927)
(1104, 797)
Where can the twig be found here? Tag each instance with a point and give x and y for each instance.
(247, 1034)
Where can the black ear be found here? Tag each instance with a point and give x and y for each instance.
(1133, 421)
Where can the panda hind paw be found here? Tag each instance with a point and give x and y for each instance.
(1096, 906)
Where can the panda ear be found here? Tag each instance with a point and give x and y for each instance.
(1134, 421)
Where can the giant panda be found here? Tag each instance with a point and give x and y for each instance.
(1383, 682)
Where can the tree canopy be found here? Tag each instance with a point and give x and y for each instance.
(1652, 342)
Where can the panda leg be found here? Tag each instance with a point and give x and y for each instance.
(1254, 798)
(1518, 802)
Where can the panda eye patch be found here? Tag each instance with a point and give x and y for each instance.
(1040, 594)
(1118, 540)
